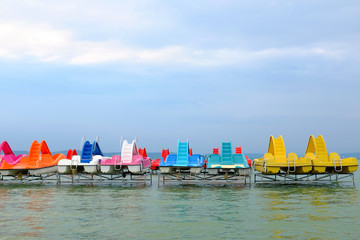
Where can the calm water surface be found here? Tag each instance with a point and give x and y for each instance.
(180, 212)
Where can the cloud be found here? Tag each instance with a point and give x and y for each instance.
(298, 51)
(92, 18)
(44, 43)
(39, 41)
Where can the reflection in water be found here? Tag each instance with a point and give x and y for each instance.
(283, 207)
(22, 210)
(179, 212)
(4, 198)
(36, 202)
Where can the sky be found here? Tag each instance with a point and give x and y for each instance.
(203, 70)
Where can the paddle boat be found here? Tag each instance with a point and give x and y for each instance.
(39, 161)
(275, 160)
(155, 163)
(183, 160)
(227, 161)
(316, 152)
(8, 159)
(130, 158)
(88, 161)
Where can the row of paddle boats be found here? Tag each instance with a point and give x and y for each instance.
(91, 160)
(195, 163)
(315, 161)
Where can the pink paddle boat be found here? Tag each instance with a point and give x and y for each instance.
(130, 158)
(9, 155)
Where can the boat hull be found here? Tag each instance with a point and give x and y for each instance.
(167, 169)
(265, 169)
(213, 171)
(45, 170)
(349, 169)
(91, 169)
(196, 170)
(137, 169)
(110, 169)
(64, 169)
(12, 172)
(303, 169)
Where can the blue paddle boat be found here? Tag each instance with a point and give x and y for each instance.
(183, 160)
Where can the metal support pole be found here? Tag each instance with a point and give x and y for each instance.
(353, 178)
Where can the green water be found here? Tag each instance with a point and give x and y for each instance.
(179, 212)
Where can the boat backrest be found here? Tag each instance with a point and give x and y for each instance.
(142, 152)
(215, 150)
(70, 153)
(165, 153)
(44, 149)
(46, 155)
(238, 150)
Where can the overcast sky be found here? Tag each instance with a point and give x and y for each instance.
(200, 70)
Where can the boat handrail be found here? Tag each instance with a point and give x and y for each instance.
(287, 159)
(115, 163)
(72, 164)
(334, 161)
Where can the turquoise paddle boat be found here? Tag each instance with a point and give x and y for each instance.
(227, 161)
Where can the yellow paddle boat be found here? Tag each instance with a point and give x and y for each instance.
(322, 162)
(275, 160)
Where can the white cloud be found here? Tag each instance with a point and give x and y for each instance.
(310, 51)
(43, 43)
(90, 16)
(39, 41)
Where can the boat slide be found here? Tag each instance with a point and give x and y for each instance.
(136, 162)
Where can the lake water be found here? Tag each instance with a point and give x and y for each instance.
(179, 212)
